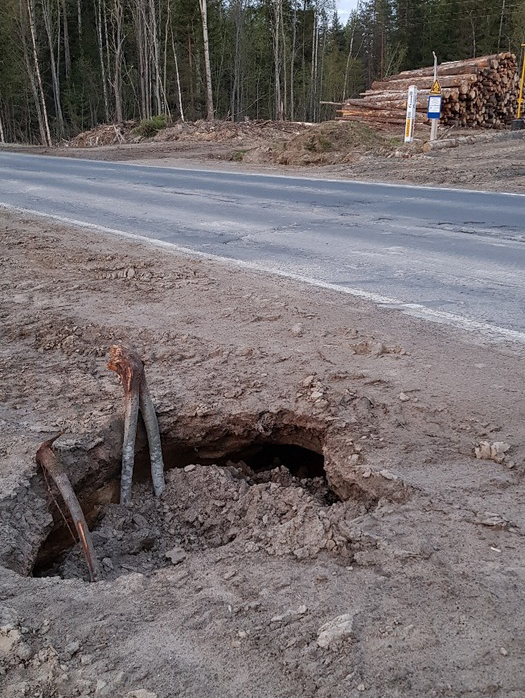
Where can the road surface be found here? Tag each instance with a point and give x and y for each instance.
(448, 255)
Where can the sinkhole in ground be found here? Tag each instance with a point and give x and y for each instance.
(268, 493)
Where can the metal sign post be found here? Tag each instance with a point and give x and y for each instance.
(434, 103)
(411, 114)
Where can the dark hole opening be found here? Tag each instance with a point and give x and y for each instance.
(254, 462)
(301, 462)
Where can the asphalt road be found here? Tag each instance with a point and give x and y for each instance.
(448, 255)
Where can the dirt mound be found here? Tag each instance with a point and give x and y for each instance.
(252, 132)
(224, 131)
(212, 507)
(105, 134)
(328, 143)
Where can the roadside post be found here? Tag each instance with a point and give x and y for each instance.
(519, 123)
(434, 103)
(411, 114)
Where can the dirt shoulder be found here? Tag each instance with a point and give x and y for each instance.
(493, 161)
(411, 548)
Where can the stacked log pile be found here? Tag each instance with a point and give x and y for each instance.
(479, 92)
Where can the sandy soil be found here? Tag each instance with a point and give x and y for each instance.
(393, 568)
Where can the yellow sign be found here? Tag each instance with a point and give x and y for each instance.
(411, 114)
(436, 88)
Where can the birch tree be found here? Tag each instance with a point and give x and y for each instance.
(210, 111)
(117, 41)
(37, 85)
(49, 10)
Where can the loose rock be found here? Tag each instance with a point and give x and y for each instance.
(492, 451)
(335, 629)
(176, 555)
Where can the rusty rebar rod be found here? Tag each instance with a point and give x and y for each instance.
(48, 461)
(130, 369)
(151, 423)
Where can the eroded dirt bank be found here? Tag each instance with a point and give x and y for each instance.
(322, 470)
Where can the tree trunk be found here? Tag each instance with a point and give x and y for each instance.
(501, 23)
(79, 19)
(283, 52)
(313, 73)
(118, 38)
(177, 76)
(276, 31)
(165, 64)
(154, 40)
(292, 63)
(234, 96)
(349, 58)
(210, 111)
(48, 24)
(101, 59)
(45, 121)
(67, 48)
(144, 59)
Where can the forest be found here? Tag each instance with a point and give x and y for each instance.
(68, 65)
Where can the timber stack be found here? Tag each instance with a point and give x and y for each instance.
(478, 92)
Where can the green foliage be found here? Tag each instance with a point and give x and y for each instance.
(148, 128)
(238, 155)
(318, 144)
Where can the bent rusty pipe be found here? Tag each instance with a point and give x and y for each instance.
(130, 369)
(47, 459)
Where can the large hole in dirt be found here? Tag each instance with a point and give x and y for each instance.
(303, 463)
(269, 493)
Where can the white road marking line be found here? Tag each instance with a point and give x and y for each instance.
(135, 163)
(493, 332)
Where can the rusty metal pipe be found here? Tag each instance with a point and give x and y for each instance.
(47, 459)
(151, 423)
(130, 369)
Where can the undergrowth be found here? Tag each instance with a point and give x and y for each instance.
(150, 127)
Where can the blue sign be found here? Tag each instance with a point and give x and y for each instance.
(434, 107)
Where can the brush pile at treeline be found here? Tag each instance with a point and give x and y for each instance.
(478, 92)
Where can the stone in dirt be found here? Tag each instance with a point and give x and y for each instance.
(492, 451)
(72, 648)
(335, 629)
(176, 555)
(377, 349)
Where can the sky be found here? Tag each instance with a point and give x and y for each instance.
(344, 7)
